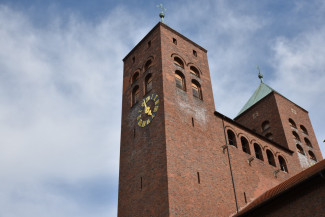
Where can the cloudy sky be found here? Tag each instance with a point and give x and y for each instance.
(61, 81)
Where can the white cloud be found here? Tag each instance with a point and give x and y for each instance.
(60, 109)
(299, 67)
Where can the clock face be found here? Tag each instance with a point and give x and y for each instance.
(148, 109)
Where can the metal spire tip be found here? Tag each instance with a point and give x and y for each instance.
(162, 12)
(260, 75)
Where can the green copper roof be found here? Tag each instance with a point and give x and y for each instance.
(259, 94)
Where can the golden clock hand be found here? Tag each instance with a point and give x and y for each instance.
(145, 105)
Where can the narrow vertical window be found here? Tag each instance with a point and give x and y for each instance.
(283, 165)
(297, 138)
(135, 95)
(196, 89)
(270, 158)
(292, 123)
(308, 143)
(175, 41)
(245, 145)
(141, 182)
(194, 53)
(180, 80)
(133, 59)
(147, 65)
(198, 178)
(135, 77)
(231, 138)
(304, 130)
(312, 156)
(192, 122)
(245, 197)
(149, 44)
(258, 151)
(148, 81)
(300, 149)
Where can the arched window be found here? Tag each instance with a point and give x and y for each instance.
(312, 156)
(300, 149)
(135, 77)
(148, 82)
(180, 80)
(135, 95)
(196, 88)
(231, 138)
(304, 130)
(292, 123)
(283, 165)
(269, 136)
(265, 125)
(258, 151)
(296, 136)
(178, 62)
(245, 145)
(270, 157)
(194, 71)
(308, 142)
(147, 65)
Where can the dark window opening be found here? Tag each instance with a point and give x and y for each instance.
(192, 122)
(141, 183)
(149, 43)
(180, 80)
(198, 178)
(147, 65)
(270, 158)
(245, 197)
(292, 123)
(300, 149)
(308, 143)
(135, 95)
(135, 77)
(196, 89)
(194, 53)
(265, 125)
(175, 41)
(178, 62)
(133, 59)
(148, 82)
(296, 136)
(304, 130)
(194, 71)
(283, 165)
(245, 145)
(231, 138)
(258, 152)
(312, 156)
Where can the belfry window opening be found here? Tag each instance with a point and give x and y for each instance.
(180, 80)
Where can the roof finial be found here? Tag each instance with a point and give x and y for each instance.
(161, 14)
(260, 75)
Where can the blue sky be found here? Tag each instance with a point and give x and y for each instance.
(61, 81)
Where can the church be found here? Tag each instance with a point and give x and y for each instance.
(181, 157)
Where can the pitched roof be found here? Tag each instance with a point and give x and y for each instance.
(262, 91)
(282, 188)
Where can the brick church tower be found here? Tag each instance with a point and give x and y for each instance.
(178, 156)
